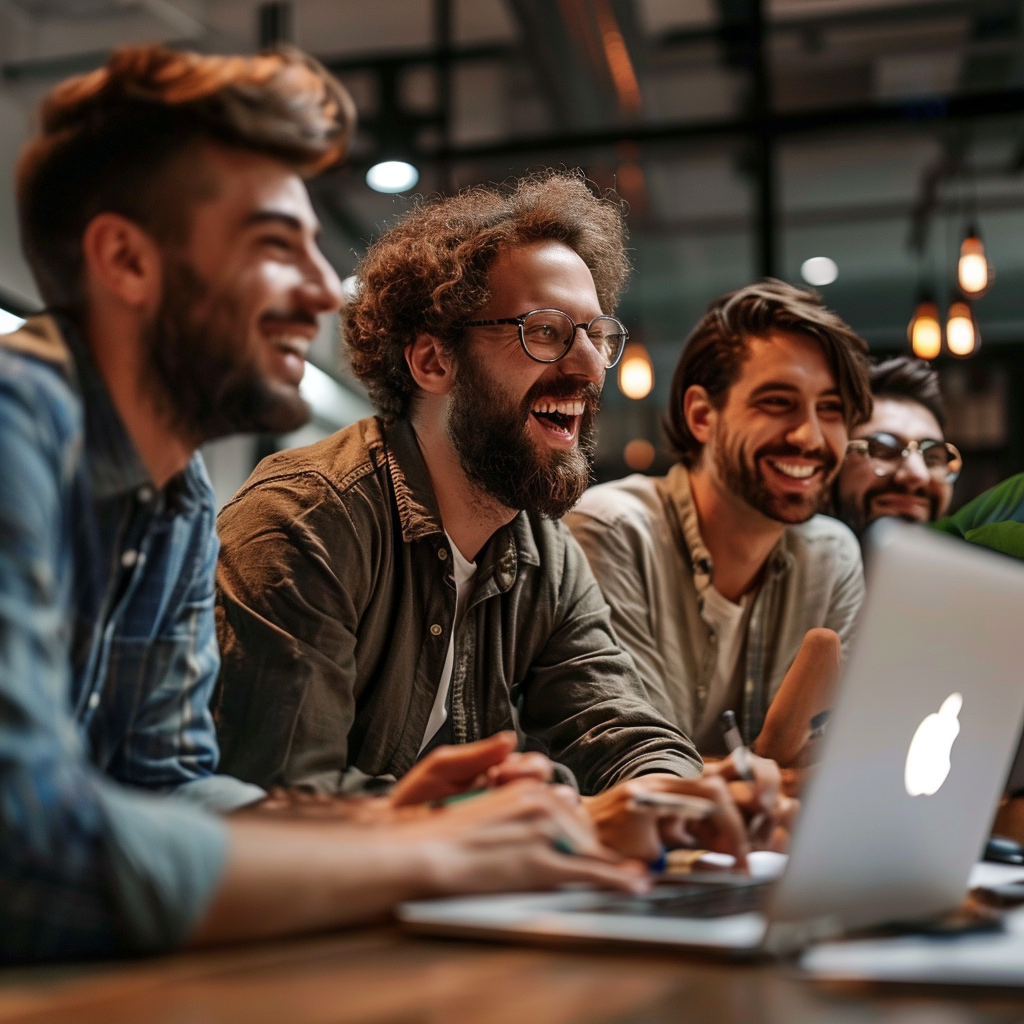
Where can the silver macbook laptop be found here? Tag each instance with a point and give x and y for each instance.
(916, 754)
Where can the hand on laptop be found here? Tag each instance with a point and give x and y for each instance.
(485, 764)
(522, 836)
(767, 811)
(645, 832)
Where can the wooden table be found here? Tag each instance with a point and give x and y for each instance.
(385, 977)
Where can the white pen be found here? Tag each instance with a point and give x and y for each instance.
(738, 749)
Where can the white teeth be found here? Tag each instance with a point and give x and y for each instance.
(797, 472)
(564, 407)
(296, 345)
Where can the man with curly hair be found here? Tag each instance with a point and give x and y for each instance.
(165, 217)
(406, 582)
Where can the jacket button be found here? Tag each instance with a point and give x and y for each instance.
(436, 629)
(442, 553)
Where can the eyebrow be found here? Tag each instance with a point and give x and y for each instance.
(779, 385)
(275, 216)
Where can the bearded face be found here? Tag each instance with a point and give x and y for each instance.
(201, 367)
(487, 426)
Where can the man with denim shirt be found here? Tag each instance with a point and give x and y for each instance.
(724, 585)
(164, 216)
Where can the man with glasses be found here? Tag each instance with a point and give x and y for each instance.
(406, 583)
(899, 463)
(727, 588)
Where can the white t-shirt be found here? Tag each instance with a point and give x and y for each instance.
(729, 623)
(463, 573)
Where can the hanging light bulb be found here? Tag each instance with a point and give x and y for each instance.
(636, 375)
(961, 333)
(972, 271)
(925, 331)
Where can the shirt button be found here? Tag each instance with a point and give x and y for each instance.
(94, 700)
(129, 558)
(144, 494)
(442, 553)
(436, 629)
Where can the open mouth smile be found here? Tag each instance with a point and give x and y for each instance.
(799, 471)
(559, 418)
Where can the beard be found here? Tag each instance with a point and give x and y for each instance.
(742, 475)
(199, 368)
(857, 513)
(488, 430)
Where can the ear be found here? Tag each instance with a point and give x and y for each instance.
(430, 364)
(699, 412)
(122, 260)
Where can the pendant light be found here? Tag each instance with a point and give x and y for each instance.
(973, 272)
(961, 330)
(924, 330)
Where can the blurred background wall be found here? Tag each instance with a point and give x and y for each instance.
(869, 137)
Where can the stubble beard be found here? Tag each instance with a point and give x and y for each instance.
(742, 476)
(199, 369)
(488, 430)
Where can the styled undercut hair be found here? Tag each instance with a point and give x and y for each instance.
(907, 379)
(715, 351)
(108, 141)
(429, 272)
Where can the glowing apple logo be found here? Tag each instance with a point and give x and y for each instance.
(928, 756)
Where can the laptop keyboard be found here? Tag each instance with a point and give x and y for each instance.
(691, 900)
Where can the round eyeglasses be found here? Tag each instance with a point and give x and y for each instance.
(887, 452)
(547, 334)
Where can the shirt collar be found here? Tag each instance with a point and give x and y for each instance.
(420, 516)
(113, 464)
(678, 480)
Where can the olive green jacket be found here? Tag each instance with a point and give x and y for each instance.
(335, 609)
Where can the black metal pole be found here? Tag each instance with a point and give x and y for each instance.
(443, 38)
(764, 145)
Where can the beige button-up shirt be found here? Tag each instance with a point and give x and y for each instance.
(643, 541)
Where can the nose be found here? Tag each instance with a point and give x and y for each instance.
(321, 286)
(912, 470)
(583, 359)
(807, 434)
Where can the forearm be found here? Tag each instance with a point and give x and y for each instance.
(286, 878)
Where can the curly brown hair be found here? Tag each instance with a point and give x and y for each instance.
(714, 353)
(430, 271)
(108, 139)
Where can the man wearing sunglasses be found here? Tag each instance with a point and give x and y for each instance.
(899, 463)
(406, 583)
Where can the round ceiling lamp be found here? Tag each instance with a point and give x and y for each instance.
(392, 176)
(819, 270)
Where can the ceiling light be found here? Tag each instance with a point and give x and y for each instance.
(961, 334)
(392, 176)
(925, 331)
(819, 270)
(636, 375)
(972, 270)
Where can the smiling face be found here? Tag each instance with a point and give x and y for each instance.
(911, 492)
(523, 429)
(779, 437)
(241, 300)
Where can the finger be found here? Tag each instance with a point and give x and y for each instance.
(531, 765)
(448, 770)
(724, 832)
(629, 876)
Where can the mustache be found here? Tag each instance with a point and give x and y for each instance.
(567, 388)
(826, 457)
(292, 316)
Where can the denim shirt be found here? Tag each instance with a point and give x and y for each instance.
(107, 659)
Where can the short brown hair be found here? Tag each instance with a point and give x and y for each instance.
(105, 138)
(909, 380)
(713, 354)
(429, 272)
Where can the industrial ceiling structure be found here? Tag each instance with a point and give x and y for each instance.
(746, 136)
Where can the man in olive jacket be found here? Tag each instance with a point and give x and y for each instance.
(406, 582)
